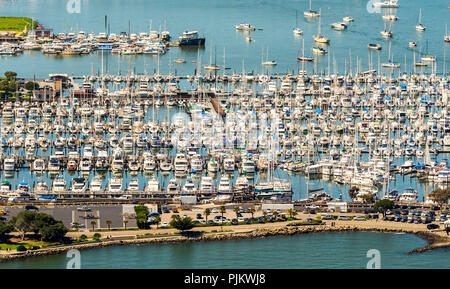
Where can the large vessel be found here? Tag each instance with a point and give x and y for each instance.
(191, 38)
(386, 4)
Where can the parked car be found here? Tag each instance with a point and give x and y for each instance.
(84, 209)
(359, 218)
(432, 226)
(344, 218)
(31, 207)
(328, 217)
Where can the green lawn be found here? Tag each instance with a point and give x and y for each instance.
(17, 24)
(13, 245)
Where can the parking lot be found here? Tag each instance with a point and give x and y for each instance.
(70, 214)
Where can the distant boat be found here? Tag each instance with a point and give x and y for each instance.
(245, 27)
(318, 50)
(311, 13)
(319, 38)
(412, 44)
(387, 34)
(339, 26)
(374, 46)
(390, 17)
(269, 63)
(180, 60)
(446, 36)
(347, 19)
(297, 31)
(386, 4)
(305, 59)
(419, 25)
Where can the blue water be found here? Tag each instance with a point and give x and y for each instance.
(323, 250)
(216, 19)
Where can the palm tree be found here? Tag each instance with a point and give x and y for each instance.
(222, 210)
(274, 213)
(125, 222)
(207, 212)
(236, 210)
(264, 213)
(76, 225)
(291, 213)
(252, 211)
(93, 223)
(108, 223)
(157, 220)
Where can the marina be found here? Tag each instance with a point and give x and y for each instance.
(159, 115)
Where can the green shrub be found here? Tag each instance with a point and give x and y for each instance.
(83, 238)
(96, 237)
(21, 248)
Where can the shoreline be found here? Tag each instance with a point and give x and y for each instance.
(434, 240)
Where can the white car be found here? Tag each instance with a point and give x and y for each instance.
(164, 224)
(359, 218)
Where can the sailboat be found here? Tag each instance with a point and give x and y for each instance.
(303, 58)
(319, 38)
(387, 34)
(391, 63)
(419, 26)
(211, 66)
(418, 63)
(311, 13)
(268, 62)
(446, 36)
(428, 57)
(297, 31)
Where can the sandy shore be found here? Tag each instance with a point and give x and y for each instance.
(435, 239)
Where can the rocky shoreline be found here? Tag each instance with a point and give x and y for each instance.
(434, 240)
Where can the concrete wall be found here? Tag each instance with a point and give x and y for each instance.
(281, 207)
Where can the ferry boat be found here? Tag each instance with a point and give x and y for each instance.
(386, 4)
(191, 38)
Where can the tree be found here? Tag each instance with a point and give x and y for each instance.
(93, 223)
(76, 225)
(367, 198)
(292, 213)
(10, 74)
(30, 85)
(237, 210)
(222, 210)
(125, 222)
(43, 224)
(157, 220)
(252, 211)
(141, 216)
(42, 220)
(5, 228)
(353, 192)
(274, 213)
(54, 233)
(96, 237)
(207, 212)
(182, 224)
(384, 205)
(440, 196)
(264, 213)
(108, 223)
(23, 222)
